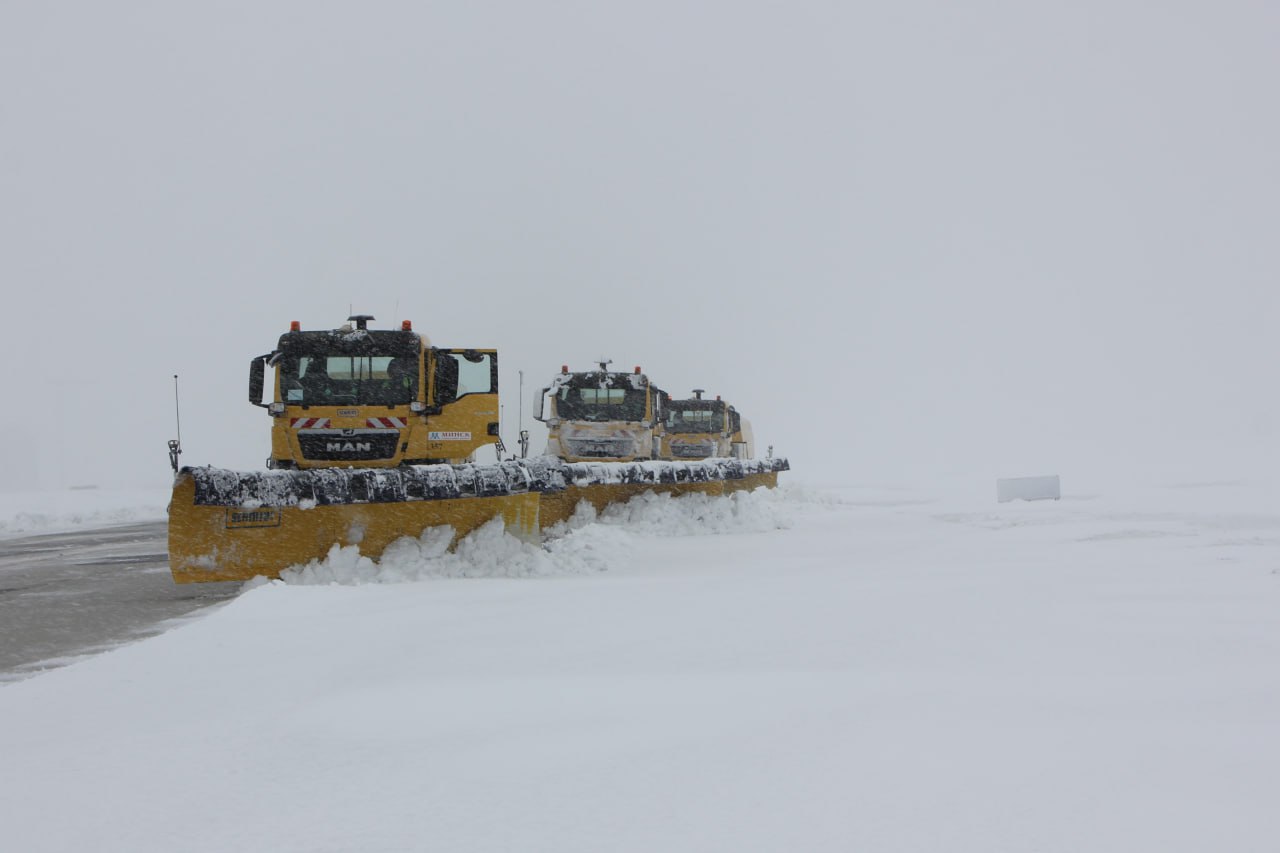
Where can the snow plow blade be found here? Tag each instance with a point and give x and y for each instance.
(233, 526)
(604, 483)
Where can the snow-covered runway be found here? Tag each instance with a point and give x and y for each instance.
(809, 669)
(78, 592)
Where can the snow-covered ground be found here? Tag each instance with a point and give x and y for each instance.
(843, 668)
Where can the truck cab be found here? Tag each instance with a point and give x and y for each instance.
(370, 398)
(600, 415)
(698, 428)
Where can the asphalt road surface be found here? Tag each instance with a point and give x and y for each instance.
(67, 595)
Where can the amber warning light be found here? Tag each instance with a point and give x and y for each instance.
(406, 326)
(295, 326)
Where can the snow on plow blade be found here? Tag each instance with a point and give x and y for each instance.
(229, 525)
(603, 483)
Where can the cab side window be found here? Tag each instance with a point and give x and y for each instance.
(461, 373)
(474, 376)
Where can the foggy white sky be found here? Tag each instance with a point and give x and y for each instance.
(996, 238)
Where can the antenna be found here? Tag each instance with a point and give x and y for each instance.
(524, 433)
(175, 445)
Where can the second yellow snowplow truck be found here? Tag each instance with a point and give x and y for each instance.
(601, 415)
(701, 429)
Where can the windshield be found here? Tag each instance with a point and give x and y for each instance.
(701, 419)
(601, 404)
(348, 380)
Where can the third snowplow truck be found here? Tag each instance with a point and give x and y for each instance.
(700, 429)
(373, 438)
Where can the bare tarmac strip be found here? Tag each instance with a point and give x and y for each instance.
(67, 595)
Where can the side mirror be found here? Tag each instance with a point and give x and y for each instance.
(257, 379)
(539, 404)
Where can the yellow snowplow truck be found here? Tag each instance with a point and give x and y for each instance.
(373, 435)
(701, 429)
(375, 398)
(601, 415)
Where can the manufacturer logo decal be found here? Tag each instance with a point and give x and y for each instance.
(348, 413)
(348, 446)
(449, 436)
(261, 517)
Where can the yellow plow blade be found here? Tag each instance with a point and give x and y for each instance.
(217, 538)
(234, 526)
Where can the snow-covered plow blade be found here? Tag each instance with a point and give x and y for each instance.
(603, 483)
(229, 525)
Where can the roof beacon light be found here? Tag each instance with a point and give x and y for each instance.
(564, 368)
(295, 326)
(406, 326)
(637, 368)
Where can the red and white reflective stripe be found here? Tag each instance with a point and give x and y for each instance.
(309, 423)
(385, 423)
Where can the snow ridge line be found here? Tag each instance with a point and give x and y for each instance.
(582, 545)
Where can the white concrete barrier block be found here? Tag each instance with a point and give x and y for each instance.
(1028, 489)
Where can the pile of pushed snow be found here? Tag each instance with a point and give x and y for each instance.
(582, 545)
(57, 511)
(487, 552)
(662, 514)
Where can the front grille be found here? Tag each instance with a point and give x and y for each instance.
(692, 450)
(339, 448)
(601, 449)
